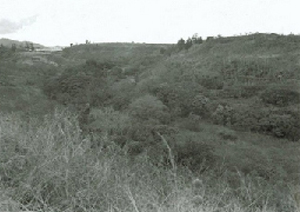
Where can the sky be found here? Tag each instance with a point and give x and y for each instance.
(61, 22)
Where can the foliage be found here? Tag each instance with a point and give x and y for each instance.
(242, 91)
(186, 44)
(282, 124)
(121, 93)
(196, 39)
(146, 110)
(49, 165)
(193, 153)
(211, 82)
(199, 105)
(223, 115)
(280, 96)
(149, 107)
(181, 44)
(77, 85)
(181, 98)
(69, 88)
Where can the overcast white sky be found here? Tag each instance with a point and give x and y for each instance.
(61, 22)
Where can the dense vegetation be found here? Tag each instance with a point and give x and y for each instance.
(196, 126)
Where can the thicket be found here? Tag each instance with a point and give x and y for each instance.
(279, 123)
(280, 97)
(86, 83)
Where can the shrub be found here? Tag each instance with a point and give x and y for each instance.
(69, 89)
(212, 82)
(149, 107)
(281, 125)
(78, 84)
(196, 155)
(223, 115)
(280, 96)
(244, 91)
(199, 105)
(246, 118)
(182, 99)
(121, 94)
(168, 95)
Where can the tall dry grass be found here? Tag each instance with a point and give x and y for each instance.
(48, 166)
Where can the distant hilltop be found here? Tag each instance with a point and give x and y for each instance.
(8, 43)
(28, 46)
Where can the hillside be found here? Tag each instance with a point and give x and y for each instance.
(151, 127)
(8, 43)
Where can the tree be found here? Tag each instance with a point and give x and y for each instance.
(181, 44)
(196, 39)
(188, 43)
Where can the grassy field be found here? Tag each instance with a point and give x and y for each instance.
(139, 127)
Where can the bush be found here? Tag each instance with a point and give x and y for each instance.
(189, 151)
(199, 105)
(281, 125)
(196, 155)
(149, 107)
(244, 91)
(69, 89)
(246, 118)
(121, 94)
(212, 83)
(223, 115)
(169, 95)
(181, 99)
(80, 84)
(280, 97)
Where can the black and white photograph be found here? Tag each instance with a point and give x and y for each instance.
(149, 106)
